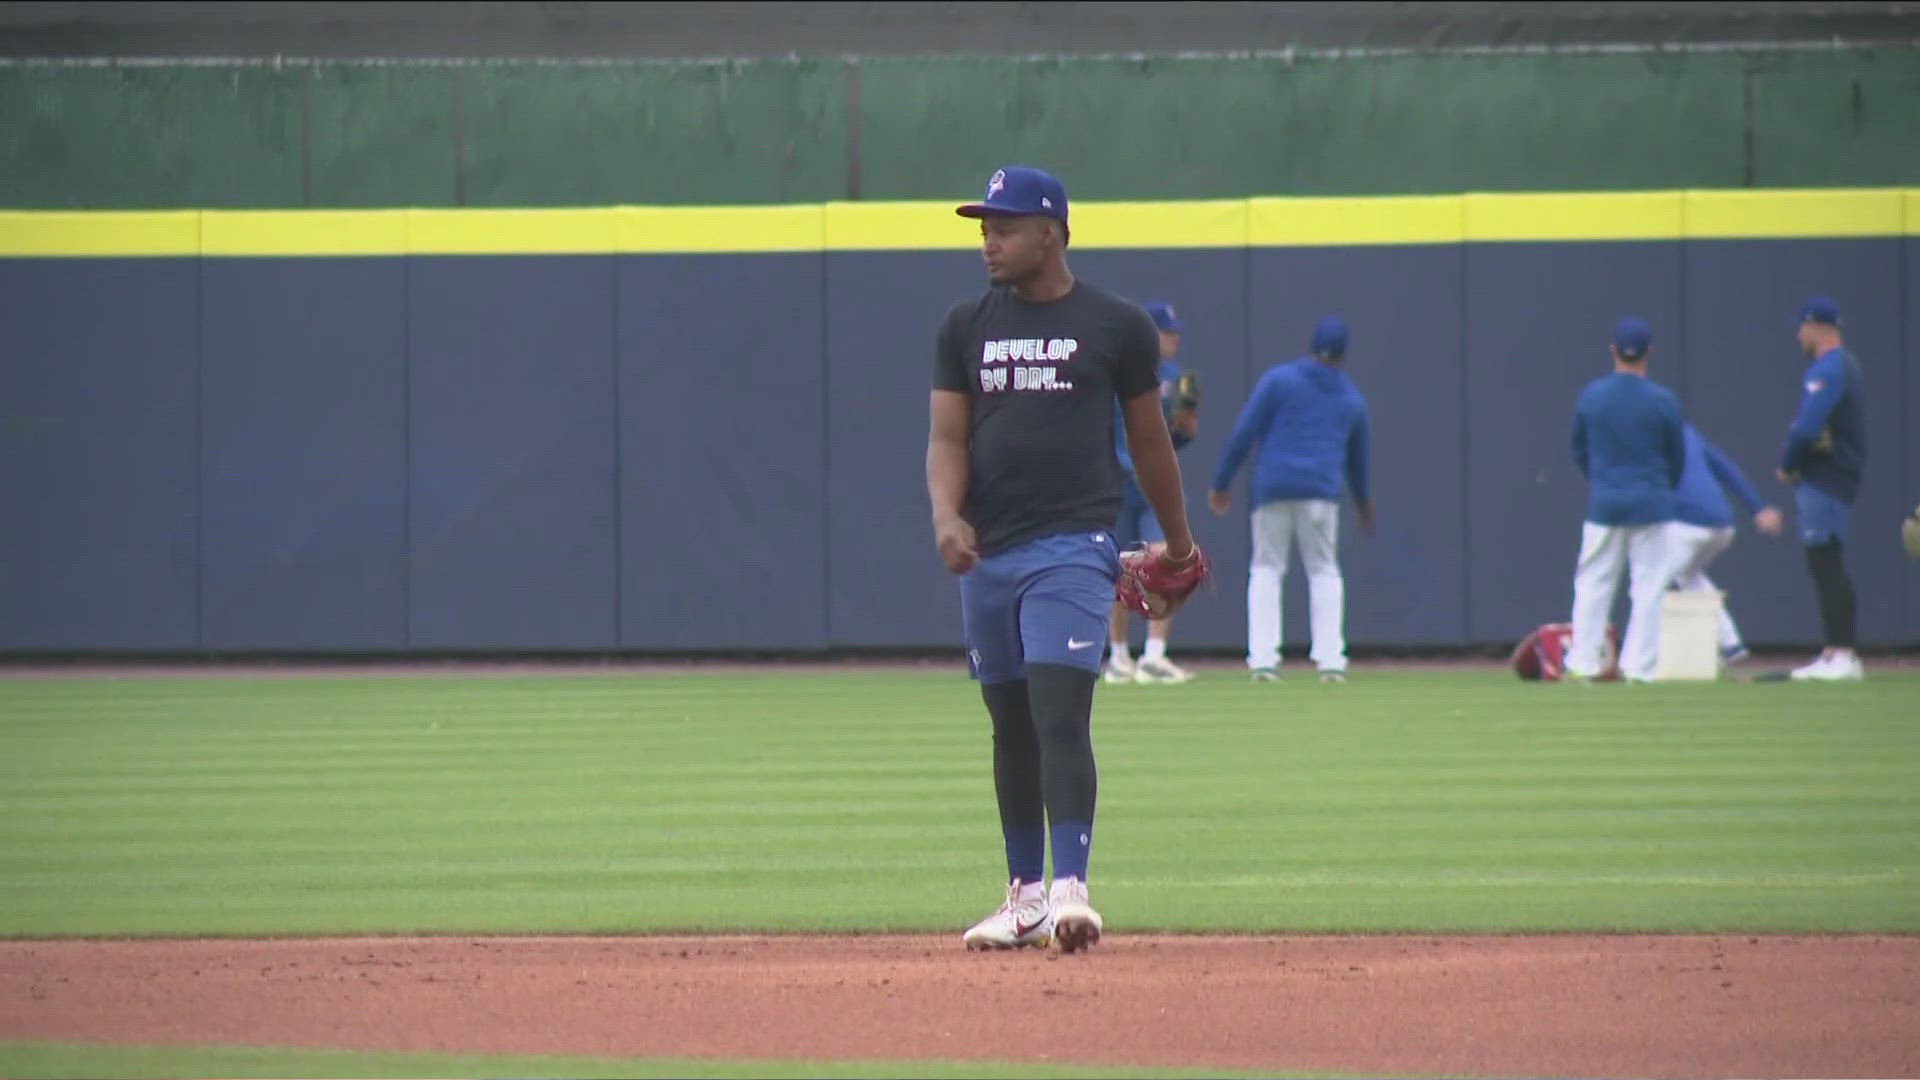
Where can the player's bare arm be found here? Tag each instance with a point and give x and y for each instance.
(1158, 471)
(947, 427)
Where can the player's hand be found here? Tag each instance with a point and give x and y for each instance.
(1173, 557)
(1219, 501)
(1185, 423)
(1365, 510)
(956, 541)
(1767, 521)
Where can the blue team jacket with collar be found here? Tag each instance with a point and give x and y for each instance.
(1827, 442)
(1306, 425)
(1628, 443)
(1701, 498)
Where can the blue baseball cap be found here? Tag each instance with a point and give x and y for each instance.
(1818, 309)
(1017, 191)
(1163, 317)
(1330, 336)
(1631, 338)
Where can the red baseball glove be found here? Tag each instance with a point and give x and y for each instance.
(1154, 587)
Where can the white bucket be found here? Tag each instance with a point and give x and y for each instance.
(1689, 635)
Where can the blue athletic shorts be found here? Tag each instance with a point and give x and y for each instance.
(1137, 523)
(1044, 602)
(1819, 516)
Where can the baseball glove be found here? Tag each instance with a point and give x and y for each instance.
(1910, 534)
(1154, 589)
(1186, 392)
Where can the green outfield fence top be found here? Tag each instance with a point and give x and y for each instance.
(930, 225)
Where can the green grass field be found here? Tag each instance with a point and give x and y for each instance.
(616, 804)
(722, 803)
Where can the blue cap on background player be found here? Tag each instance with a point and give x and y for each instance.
(1818, 309)
(1163, 317)
(1019, 191)
(1330, 337)
(1631, 338)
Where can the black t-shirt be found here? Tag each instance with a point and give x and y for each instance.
(1041, 379)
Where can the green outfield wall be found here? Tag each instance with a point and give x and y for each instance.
(504, 134)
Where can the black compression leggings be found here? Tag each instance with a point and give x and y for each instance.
(1835, 590)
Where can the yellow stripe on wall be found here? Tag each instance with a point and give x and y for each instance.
(1522, 217)
(1746, 215)
(659, 230)
(899, 226)
(303, 232)
(1337, 222)
(933, 226)
(591, 231)
(79, 234)
(1215, 223)
(1530, 216)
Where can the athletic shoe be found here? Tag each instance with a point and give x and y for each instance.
(1075, 924)
(1120, 668)
(1161, 670)
(1015, 924)
(1814, 669)
(1265, 674)
(1833, 667)
(1733, 654)
(1332, 675)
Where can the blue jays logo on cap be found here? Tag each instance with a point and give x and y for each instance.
(1019, 191)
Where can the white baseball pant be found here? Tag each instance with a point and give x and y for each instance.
(1315, 523)
(1645, 552)
(1694, 547)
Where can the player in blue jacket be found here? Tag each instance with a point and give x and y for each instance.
(1309, 423)
(1824, 458)
(1137, 524)
(1703, 525)
(1628, 443)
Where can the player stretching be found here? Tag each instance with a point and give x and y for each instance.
(1629, 444)
(1025, 488)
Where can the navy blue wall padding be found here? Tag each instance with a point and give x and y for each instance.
(1402, 307)
(1910, 437)
(511, 440)
(98, 426)
(1530, 349)
(1742, 297)
(723, 481)
(883, 311)
(303, 463)
(672, 452)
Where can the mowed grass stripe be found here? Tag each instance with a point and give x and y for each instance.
(785, 802)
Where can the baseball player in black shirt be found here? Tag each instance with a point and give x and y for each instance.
(1025, 489)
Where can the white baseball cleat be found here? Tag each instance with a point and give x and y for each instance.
(1160, 670)
(1075, 924)
(1015, 924)
(1830, 667)
(1120, 668)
